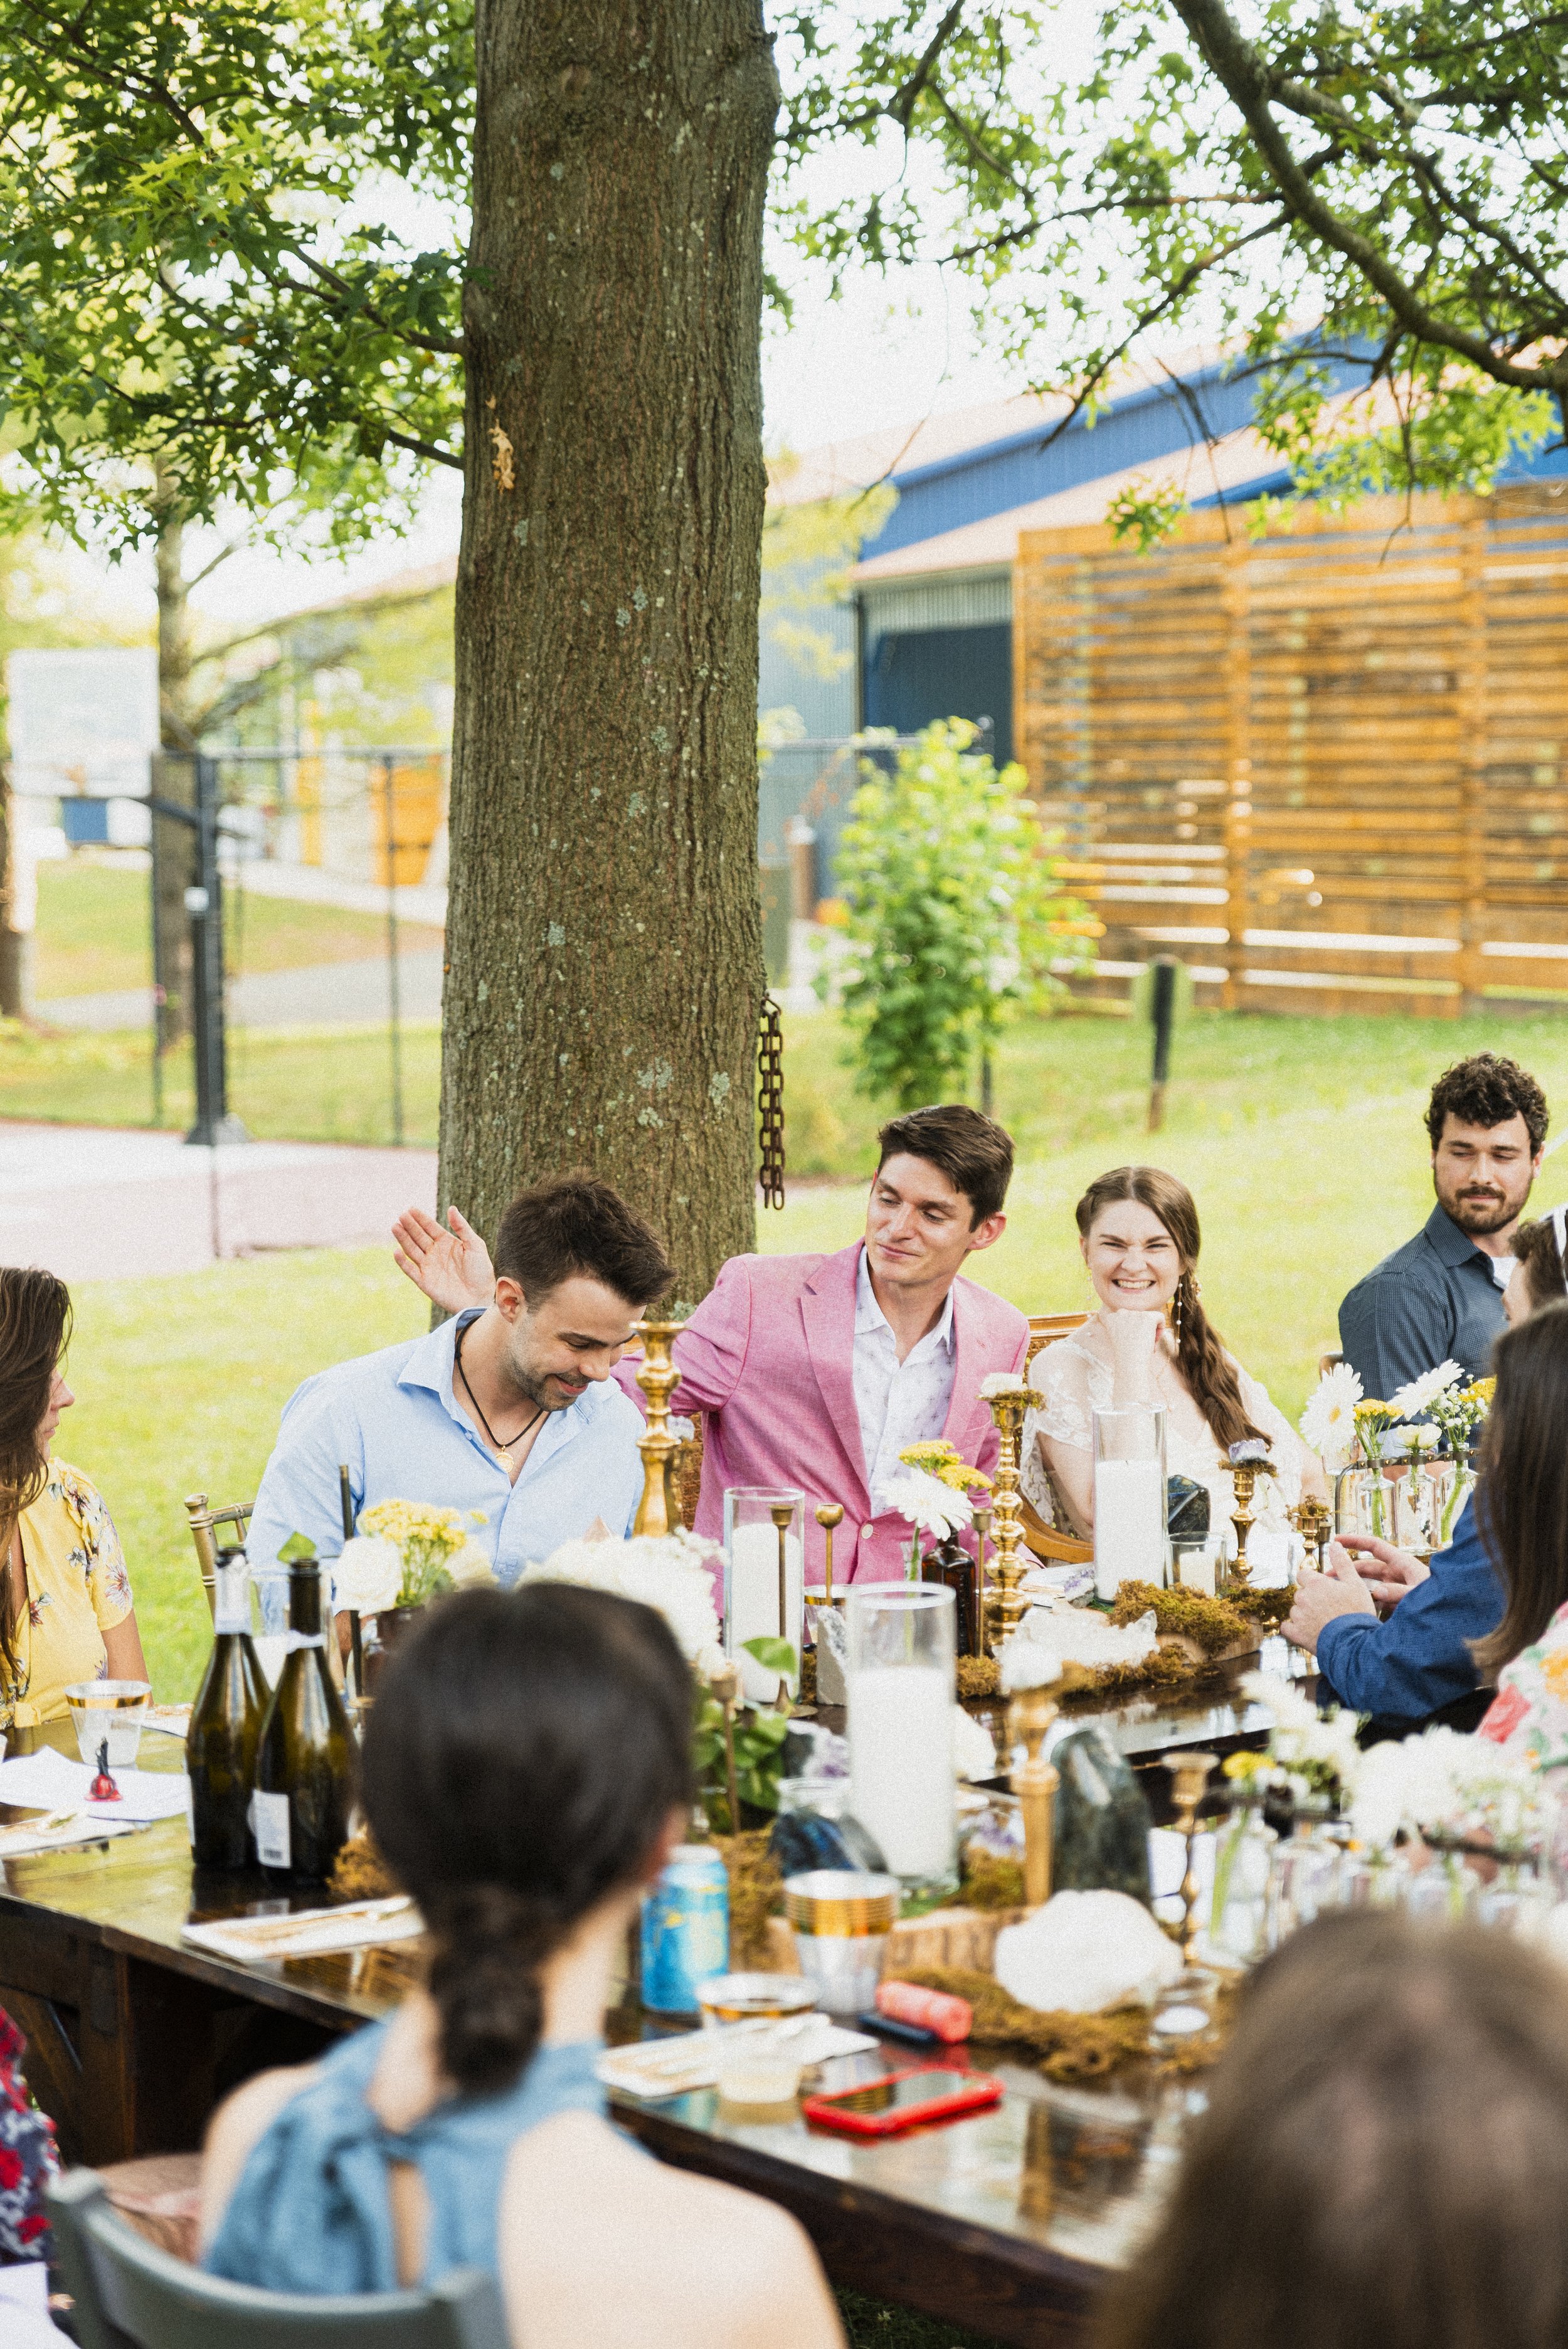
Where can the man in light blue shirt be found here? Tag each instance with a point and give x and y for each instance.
(510, 1412)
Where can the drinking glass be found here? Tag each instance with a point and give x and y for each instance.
(764, 1581)
(1130, 1499)
(902, 1645)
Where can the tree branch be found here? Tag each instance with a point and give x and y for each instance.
(1246, 79)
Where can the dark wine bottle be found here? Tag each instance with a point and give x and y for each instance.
(299, 1816)
(225, 1723)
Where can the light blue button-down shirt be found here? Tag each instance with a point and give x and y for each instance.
(391, 1416)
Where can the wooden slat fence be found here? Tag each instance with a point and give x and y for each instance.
(1329, 769)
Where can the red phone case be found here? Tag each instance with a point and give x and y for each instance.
(828, 2111)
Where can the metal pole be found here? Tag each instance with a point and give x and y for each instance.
(158, 994)
(394, 1001)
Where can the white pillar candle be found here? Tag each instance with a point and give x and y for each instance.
(1129, 1527)
(901, 1787)
(754, 1604)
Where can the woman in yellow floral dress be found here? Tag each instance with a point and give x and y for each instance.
(66, 1608)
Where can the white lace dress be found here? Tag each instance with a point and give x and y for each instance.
(1072, 1381)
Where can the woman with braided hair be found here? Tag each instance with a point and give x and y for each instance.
(1149, 1340)
(527, 1770)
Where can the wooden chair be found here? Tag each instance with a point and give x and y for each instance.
(129, 2295)
(202, 1521)
(1055, 1549)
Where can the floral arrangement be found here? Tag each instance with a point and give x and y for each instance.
(1444, 1784)
(939, 1458)
(1313, 1757)
(406, 1553)
(932, 1489)
(1373, 1420)
(1328, 1423)
(1004, 1382)
(1458, 1411)
(672, 1573)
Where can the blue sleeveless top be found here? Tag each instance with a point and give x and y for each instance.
(311, 2212)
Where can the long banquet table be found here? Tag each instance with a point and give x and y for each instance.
(1007, 2222)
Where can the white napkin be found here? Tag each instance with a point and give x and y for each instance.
(46, 1781)
(310, 1932)
(670, 2068)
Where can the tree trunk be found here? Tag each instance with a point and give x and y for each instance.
(18, 896)
(604, 962)
(174, 775)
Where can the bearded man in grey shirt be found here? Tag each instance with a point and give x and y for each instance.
(1439, 1298)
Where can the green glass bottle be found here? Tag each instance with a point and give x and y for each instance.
(225, 1723)
(299, 1816)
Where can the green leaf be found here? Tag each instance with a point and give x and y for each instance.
(773, 1655)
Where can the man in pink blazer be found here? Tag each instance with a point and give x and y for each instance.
(815, 1371)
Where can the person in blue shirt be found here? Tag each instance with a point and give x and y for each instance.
(1439, 1298)
(508, 1412)
(1418, 1659)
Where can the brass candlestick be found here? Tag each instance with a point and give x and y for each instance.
(1313, 1522)
(658, 1511)
(724, 1682)
(1188, 1777)
(1008, 1605)
(1244, 1475)
(983, 1516)
(827, 1514)
(1035, 1782)
(781, 1511)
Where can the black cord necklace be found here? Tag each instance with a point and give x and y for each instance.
(502, 1451)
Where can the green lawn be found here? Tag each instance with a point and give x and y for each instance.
(94, 931)
(1301, 1138)
(303, 1085)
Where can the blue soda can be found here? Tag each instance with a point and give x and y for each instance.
(686, 1928)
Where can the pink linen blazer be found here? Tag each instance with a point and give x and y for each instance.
(769, 1356)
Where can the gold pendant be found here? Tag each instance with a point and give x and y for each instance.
(503, 1457)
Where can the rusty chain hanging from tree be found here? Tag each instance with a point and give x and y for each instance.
(771, 1103)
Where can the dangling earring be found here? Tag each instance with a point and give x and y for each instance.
(1176, 1311)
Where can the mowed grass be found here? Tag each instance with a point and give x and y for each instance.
(1302, 1140)
(303, 1085)
(94, 931)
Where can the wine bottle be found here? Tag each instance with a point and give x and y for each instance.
(304, 1783)
(225, 1723)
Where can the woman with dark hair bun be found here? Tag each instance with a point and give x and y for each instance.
(1382, 2159)
(1149, 1340)
(527, 1770)
(66, 1608)
(1540, 1275)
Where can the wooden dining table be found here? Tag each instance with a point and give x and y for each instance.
(1008, 2221)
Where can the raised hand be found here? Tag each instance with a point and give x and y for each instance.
(1389, 1573)
(451, 1268)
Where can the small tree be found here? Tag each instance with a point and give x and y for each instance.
(955, 915)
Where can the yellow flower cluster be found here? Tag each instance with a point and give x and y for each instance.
(416, 1521)
(939, 1459)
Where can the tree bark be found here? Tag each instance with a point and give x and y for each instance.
(604, 962)
(15, 942)
(174, 774)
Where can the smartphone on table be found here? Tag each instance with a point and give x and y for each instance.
(902, 2100)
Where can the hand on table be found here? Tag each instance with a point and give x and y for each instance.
(451, 1268)
(1319, 1598)
(1389, 1573)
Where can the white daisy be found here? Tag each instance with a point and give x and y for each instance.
(1328, 1423)
(1410, 1400)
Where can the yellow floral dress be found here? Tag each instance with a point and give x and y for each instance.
(77, 1588)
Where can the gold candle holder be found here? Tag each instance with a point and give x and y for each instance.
(983, 1516)
(1313, 1522)
(724, 1682)
(1006, 1607)
(1244, 1475)
(827, 1514)
(658, 1511)
(1035, 1782)
(1188, 1777)
(781, 1511)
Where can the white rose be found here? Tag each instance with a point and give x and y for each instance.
(470, 1568)
(369, 1576)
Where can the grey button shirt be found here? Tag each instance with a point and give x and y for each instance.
(1433, 1300)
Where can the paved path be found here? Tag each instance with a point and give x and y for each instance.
(95, 1203)
(319, 995)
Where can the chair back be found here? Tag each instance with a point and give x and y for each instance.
(130, 2295)
(202, 1521)
(1044, 1329)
